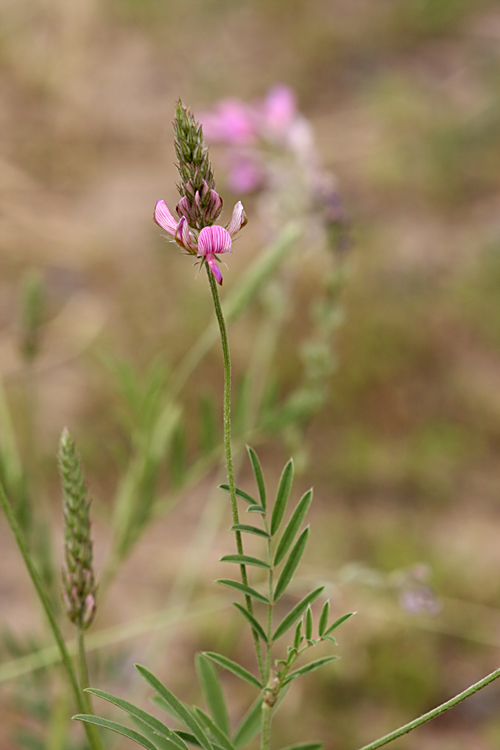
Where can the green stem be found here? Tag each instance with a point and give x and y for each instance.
(269, 608)
(267, 716)
(228, 449)
(434, 713)
(45, 601)
(83, 674)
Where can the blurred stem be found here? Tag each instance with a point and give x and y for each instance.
(83, 674)
(228, 448)
(30, 420)
(45, 601)
(434, 713)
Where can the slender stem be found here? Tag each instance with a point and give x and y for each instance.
(228, 449)
(83, 674)
(45, 601)
(267, 711)
(434, 713)
(267, 716)
(270, 606)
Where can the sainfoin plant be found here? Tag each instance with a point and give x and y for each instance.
(283, 637)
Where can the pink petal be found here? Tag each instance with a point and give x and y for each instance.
(213, 265)
(231, 122)
(184, 237)
(214, 206)
(238, 219)
(280, 107)
(214, 240)
(164, 218)
(183, 207)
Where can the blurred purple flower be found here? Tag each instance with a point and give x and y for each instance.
(416, 596)
(210, 242)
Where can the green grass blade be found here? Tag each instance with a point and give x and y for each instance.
(282, 496)
(212, 689)
(260, 272)
(239, 493)
(182, 712)
(246, 528)
(189, 738)
(311, 667)
(296, 612)
(237, 586)
(233, 667)
(259, 476)
(305, 746)
(245, 560)
(291, 564)
(292, 527)
(249, 725)
(254, 623)
(139, 739)
(151, 721)
(212, 728)
(338, 623)
(161, 743)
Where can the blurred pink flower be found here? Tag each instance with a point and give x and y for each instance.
(232, 121)
(245, 173)
(210, 242)
(279, 109)
(252, 129)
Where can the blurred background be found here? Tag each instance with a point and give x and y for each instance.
(404, 99)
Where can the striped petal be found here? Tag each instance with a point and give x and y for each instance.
(238, 219)
(184, 237)
(214, 240)
(164, 218)
(214, 267)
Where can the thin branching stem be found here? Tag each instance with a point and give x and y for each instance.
(93, 741)
(228, 449)
(434, 713)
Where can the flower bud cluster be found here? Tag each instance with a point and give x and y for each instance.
(200, 204)
(79, 587)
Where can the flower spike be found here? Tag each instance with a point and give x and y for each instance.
(200, 204)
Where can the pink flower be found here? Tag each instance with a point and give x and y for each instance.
(279, 110)
(232, 122)
(209, 242)
(245, 174)
(251, 128)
